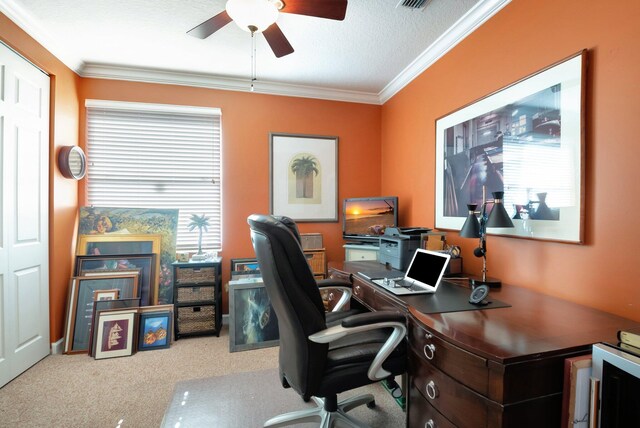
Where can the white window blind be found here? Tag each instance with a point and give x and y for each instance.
(157, 156)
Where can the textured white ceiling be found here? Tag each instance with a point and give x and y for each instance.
(363, 53)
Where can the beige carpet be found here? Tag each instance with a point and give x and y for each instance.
(78, 391)
(249, 399)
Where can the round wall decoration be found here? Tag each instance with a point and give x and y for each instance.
(72, 162)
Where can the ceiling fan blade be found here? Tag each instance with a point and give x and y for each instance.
(278, 42)
(330, 9)
(210, 26)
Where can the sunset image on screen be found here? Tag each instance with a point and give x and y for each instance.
(369, 217)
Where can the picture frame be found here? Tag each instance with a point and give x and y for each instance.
(161, 221)
(124, 244)
(304, 177)
(154, 330)
(245, 264)
(108, 305)
(80, 306)
(245, 268)
(115, 333)
(91, 265)
(527, 140)
(99, 295)
(253, 323)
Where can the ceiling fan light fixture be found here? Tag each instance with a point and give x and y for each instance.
(258, 14)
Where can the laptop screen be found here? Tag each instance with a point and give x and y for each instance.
(427, 267)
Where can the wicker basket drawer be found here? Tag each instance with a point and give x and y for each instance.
(196, 319)
(195, 275)
(316, 260)
(195, 294)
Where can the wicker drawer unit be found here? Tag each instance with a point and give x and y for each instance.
(317, 261)
(197, 296)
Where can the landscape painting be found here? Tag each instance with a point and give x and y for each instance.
(163, 222)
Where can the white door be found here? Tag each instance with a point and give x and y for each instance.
(24, 215)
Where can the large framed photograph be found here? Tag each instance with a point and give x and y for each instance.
(526, 139)
(80, 306)
(252, 320)
(115, 333)
(304, 177)
(124, 244)
(124, 264)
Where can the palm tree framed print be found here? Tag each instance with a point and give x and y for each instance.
(304, 177)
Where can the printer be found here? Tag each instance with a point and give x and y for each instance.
(398, 244)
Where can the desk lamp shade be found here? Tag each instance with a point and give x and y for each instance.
(498, 216)
(471, 226)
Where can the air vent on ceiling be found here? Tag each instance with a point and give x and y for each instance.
(413, 4)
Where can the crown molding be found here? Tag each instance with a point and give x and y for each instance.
(24, 20)
(201, 80)
(474, 18)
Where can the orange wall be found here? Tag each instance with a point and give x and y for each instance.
(63, 196)
(247, 119)
(525, 36)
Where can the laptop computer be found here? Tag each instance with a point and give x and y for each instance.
(423, 275)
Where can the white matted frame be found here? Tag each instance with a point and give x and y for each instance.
(304, 177)
(526, 139)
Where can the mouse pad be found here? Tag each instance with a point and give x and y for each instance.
(450, 298)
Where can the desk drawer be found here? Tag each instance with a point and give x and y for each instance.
(423, 414)
(464, 407)
(364, 292)
(467, 368)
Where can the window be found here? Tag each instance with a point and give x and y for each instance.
(157, 156)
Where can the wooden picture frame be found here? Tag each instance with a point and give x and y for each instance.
(154, 330)
(99, 295)
(116, 265)
(96, 220)
(304, 177)
(123, 244)
(245, 268)
(115, 333)
(80, 303)
(527, 140)
(80, 306)
(253, 323)
(108, 305)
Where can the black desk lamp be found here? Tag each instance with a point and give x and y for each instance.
(475, 227)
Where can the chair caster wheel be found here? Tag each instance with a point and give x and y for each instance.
(371, 404)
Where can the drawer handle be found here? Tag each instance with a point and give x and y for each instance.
(428, 336)
(331, 297)
(432, 390)
(429, 351)
(357, 289)
(430, 424)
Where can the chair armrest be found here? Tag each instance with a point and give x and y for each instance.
(367, 322)
(337, 284)
(373, 317)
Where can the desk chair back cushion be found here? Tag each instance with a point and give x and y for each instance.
(296, 300)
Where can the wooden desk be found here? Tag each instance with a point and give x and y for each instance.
(498, 367)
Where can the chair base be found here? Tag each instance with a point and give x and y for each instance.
(327, 418)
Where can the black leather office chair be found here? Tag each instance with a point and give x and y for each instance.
(320, 359)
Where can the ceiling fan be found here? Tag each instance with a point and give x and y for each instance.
(261, 15)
